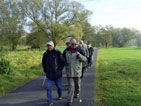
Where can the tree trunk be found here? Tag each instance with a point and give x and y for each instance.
(106, 45)
(13, 47)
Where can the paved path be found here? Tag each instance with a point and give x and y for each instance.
(33, 94)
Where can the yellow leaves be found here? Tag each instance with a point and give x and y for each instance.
(76, 31)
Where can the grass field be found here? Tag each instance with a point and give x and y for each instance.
(118, 77)
(26, 66)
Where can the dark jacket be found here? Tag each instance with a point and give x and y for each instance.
(91, 51)
(52, 62)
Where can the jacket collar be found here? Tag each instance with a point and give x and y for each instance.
(68, 49)
(52, 51)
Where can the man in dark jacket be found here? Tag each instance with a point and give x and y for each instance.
(91, 51)
(52, 62)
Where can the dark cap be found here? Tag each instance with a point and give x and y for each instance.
(67, 42)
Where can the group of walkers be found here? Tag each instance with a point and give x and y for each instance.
(76, 59)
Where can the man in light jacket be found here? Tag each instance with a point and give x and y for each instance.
(83, 47)
(73, 64)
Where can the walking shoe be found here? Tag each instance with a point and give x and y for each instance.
(76, 95)
(69, 103)
(50, 104)
(59, 98)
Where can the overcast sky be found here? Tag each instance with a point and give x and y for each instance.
(118, 13)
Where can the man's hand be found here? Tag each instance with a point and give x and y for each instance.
(77, 53)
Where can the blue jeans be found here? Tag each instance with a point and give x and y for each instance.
(58, 84)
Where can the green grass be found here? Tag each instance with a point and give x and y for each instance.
(26, 66)
(118, 77)
(61, 48)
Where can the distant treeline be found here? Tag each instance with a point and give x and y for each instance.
(113, 37)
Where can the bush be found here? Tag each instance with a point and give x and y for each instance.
(5, 67)
(36, 39)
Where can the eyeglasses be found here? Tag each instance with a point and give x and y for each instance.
(73, 44)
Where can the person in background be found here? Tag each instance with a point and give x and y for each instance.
(67, 44)
(73, 64)
(52, 62)
(84, 63)
(84, 48)
(91, 51)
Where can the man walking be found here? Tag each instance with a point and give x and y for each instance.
(91, 51)
(84, 48)
(52, 62)
(73, 64)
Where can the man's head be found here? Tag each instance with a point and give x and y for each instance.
(89, 45)
(73, 43)
(50, 45)
(80, 45)
(81, 42)
(67, 43)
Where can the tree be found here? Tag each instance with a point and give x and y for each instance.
(138, 40)
(57, 19)
(80, 15)
(89, 34)
(105, 34)
(124, 36)
(35, 39)
(11, 22)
